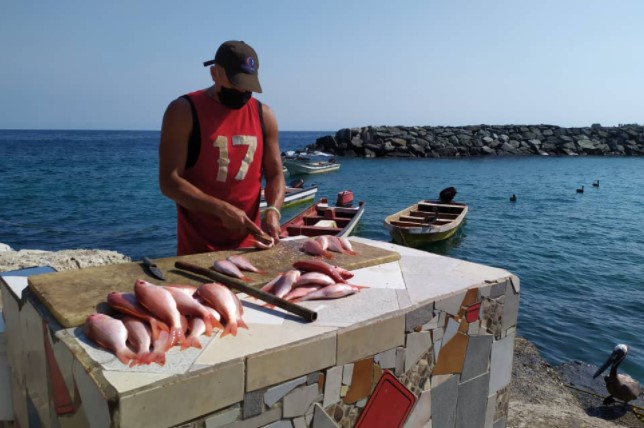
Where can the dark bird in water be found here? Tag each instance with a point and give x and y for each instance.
(513, 198)
(596, 183)
(447, 194)
(580, 190)
(620, 386)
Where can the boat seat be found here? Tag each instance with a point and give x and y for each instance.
(326, 223)
(312, 230)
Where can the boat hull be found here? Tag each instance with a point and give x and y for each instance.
(322, 219)
(296, 166)
(294, 196)
(426, 222)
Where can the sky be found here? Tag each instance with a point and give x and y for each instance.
(327, 65)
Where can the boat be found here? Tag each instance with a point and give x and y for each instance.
(322, 219)
(309, 163)
(426, 221)
(293, 195)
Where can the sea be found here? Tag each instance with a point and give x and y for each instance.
(579, 256)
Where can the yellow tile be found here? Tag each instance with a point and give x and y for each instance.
(369, 338)
(290, 361)
(452, 356)
(173, 402)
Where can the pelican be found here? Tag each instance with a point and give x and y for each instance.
(622, 387)
(513, 198)
(580, 190)
(596, 183)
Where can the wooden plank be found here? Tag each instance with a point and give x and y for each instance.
(73, 295)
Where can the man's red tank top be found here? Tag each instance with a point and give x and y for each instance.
(229, 167)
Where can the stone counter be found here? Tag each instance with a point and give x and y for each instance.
(444, 327)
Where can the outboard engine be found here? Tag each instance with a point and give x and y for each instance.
(345, 199)
(447, 194)
(298, 183)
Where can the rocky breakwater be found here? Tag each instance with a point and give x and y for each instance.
(483, 140)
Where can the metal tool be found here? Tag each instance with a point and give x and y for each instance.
(293, 308)
(152, 267)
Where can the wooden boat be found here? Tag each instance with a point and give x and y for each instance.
(426, 221)
(293, 196)
(322, 219)
(305, 165)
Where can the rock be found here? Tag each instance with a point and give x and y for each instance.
(59, 260)
(5, 247)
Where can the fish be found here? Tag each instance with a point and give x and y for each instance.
(111, 334)
(314, 248)
(229, 268)
(319, 266)
(139, 336)
(189, 306)
(334, 291)
(346, 274)
(302, 290)
(346, 244)
(336, 245)
(160, 302)
(268, 287)
(128, 304)
(159, 348)
(316, 278)
(282, 287)
(197, 328)
(190, 290)
(323, 240)
(242, 263)
(224, 301)
(263, 241)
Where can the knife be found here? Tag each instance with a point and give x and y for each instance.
(154, 270)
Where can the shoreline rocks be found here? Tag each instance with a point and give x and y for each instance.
(483, 140)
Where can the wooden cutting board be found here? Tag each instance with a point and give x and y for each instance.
(72, 295)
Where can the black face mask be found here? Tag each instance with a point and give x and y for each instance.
(234, 99)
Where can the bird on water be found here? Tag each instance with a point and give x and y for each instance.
(619, 386)
(596, 183)
(580, 190)
(513, 198)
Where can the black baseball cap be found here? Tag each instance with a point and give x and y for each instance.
(241, 64)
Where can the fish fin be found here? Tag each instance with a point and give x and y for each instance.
(156, 357)
(353, 253)
(191, 342)
(231, 328)
(242, 324)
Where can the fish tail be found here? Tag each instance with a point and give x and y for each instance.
(125, 356)
(208, 321)
(231, 328)
(176, 337)
(156, 357)
(353, 253)
(191, 342)
(246, 279)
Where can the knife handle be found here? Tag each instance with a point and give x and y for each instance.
(293, 308)
(147, 262)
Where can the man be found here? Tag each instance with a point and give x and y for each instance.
(215, 145)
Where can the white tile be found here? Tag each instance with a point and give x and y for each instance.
(422, 411)
(6, 409)
(125, 381)
(94, 405)
(332, 385)
(347, 374)
(297, 402)
(16, 284)
(417, 344)
(432, 286)
(479, 272)
(501, 363)
(386, 275)
(275, 394)
(450, 330)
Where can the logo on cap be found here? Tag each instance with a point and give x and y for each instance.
(249, 65)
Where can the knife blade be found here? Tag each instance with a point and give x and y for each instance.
(152, 267)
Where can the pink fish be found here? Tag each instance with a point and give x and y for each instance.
(283, 286)
(268, 287)
(159, 348)
(229, 268)
(346, 274)
(189, 290)
(323, 240)
(319, 266)
(127, 303)
(197, 328)
(336, 245)
(242, 263)
(111, 334)
(314, 248)
(139, 336)
(189, 306)
(160, 302)
(317, 278)
(346, 244)
(302, 291)
(224, 301)
(334, 291)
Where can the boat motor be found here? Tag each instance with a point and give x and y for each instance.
(345, 199)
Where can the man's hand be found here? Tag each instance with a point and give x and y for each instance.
(236, 221)
(271, 224)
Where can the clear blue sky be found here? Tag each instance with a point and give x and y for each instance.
(328, 64)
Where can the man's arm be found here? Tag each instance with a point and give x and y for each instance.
(272, 165)
(173, 151)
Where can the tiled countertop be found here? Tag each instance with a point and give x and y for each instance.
(278, 347)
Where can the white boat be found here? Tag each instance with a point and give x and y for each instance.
(303, 165)
(293, 196)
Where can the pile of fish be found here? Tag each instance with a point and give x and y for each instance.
(323, 245)
(312, 280)
(154, 318)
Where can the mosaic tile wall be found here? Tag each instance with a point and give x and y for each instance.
(456, 361)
